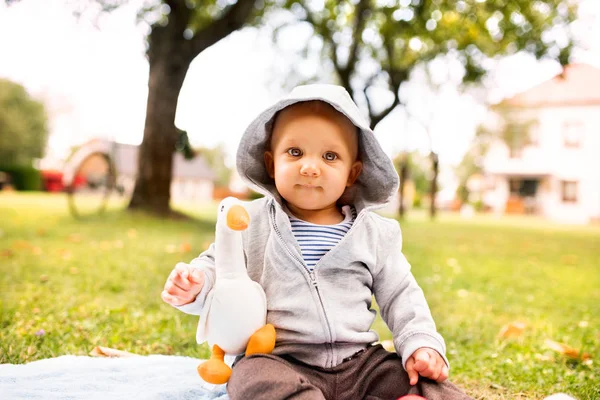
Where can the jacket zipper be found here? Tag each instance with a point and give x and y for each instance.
(311, 274)
(313, 279)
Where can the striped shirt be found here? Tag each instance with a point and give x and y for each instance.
(316, 240)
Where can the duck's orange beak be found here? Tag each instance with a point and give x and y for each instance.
(238, 218)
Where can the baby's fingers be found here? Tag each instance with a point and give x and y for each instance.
(443, 375)
(413, 375)
(175, 290)
(180, 276)
(172, 300)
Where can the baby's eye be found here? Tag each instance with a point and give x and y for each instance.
(294, 152)
(330, 156)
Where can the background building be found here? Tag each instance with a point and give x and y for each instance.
(548, 160)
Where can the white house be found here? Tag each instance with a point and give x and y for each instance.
(556, 173)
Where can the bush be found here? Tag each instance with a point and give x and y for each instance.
(23, 177)
(479, 206)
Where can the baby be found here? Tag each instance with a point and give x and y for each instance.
(321, 253)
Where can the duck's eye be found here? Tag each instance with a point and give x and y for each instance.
(330, 156)
(222, 208)
(294, 152)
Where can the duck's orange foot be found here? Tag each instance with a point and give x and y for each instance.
(214, 371)
(262, 341)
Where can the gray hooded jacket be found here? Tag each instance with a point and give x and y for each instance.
(325, 316)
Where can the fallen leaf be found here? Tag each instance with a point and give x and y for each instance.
(65, 254)
(7, 253)
(566, 350)
(185, 247)
(100, 351)
(543, 357)
(513, 329)
(74, 237)
(569, 259)
(21, 244)
(497, 386)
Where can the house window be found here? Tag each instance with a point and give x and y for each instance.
(569, 192)
(572, 132)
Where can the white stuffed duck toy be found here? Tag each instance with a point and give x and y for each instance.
(233, 319)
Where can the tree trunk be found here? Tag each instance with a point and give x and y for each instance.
(403, 177)
(433, 190)
(155, 158)
(170, 55)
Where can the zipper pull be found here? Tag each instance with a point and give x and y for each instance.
(313, 278)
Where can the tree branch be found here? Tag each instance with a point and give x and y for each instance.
(179, 17)
(368, 84)
(396, 77)
(233, 19)
(359, 24)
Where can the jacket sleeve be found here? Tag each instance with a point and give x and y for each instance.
(402, 304)
(205, 262)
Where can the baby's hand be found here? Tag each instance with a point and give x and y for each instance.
(428, 363)
(183, 285)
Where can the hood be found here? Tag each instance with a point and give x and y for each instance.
(378, 181)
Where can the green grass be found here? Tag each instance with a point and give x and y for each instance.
(98, 282)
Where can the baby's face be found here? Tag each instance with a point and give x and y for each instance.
(312, 158)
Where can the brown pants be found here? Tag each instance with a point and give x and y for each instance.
(374, 374)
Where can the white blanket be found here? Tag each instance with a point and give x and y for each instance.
(78, 377)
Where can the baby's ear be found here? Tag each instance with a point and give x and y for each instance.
(269, 164)
(355, 171)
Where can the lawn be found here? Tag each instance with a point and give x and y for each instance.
(67, 286)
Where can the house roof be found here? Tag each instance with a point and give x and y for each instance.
(578, 84)
(126, 162)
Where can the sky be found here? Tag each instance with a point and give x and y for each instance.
(93, 76)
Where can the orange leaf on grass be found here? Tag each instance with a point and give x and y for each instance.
(100, 351)
(185, 247)
(74, 238)
(21, 244)
(566, 350)
(7, 253)
(513, 329)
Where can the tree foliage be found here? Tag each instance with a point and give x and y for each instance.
(23, 125)
(374, 45)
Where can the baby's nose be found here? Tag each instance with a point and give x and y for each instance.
(309, 169)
